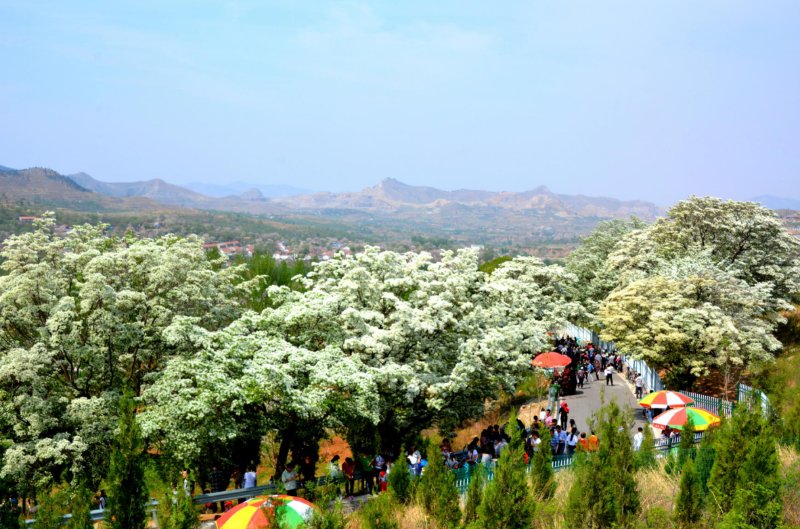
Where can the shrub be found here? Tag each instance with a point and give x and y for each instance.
(332, 519)
(380, 513)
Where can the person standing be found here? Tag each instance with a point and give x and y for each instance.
(563, 415)
(349, 471)
(289, 479)
(609, 380)
(188, 485)
(249, 479)
(308, 471)
(639, 382)
(572, 441)
(378, 466)
(637, 439)
(335, 474)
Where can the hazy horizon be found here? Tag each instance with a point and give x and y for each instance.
(621, 98)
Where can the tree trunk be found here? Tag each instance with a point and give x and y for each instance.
(287, 438)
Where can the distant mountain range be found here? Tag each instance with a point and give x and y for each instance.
(392, 194)
(239, 188)
(525, 219)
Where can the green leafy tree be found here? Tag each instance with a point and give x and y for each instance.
(437, 491)
(508, 501)
(542, 473)
(127, 493)
(689, 503)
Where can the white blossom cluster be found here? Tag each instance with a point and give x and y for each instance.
(701, 288)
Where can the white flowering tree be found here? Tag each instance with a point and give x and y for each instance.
(81, 316)
(702, 288)
(243, 382)
(690, 316)
(438, 337)
(593, 279)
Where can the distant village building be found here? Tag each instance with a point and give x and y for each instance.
(230, 248)
(27, 220)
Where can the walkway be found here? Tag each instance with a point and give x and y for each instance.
(587, 400)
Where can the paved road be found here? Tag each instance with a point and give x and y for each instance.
(587, 400)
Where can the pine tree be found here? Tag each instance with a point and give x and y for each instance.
(730, 448)
(127, 494)
(686, 445)
(184, 515)
(604, 492)
(704, 460)
(507, 501)
(580, 498)
(646, 456)
(80, 508)
(757, 502)
(400, 481)
(542, 473)
(689, 504)
(49, 511)
(474, 495)
(437, 491)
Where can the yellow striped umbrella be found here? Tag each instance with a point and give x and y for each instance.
(257, 512)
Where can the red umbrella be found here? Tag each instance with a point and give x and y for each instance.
(551, 360)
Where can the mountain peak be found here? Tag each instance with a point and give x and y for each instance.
(252, 194)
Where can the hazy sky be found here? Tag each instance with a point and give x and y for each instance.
(651, 99)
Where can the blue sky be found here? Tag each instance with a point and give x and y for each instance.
(632, 99)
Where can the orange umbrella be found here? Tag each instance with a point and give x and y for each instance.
(551, 360)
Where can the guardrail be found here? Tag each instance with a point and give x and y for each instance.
(98, 515)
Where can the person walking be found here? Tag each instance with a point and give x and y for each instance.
(639, 382)
(609, 371)
(563, 415)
